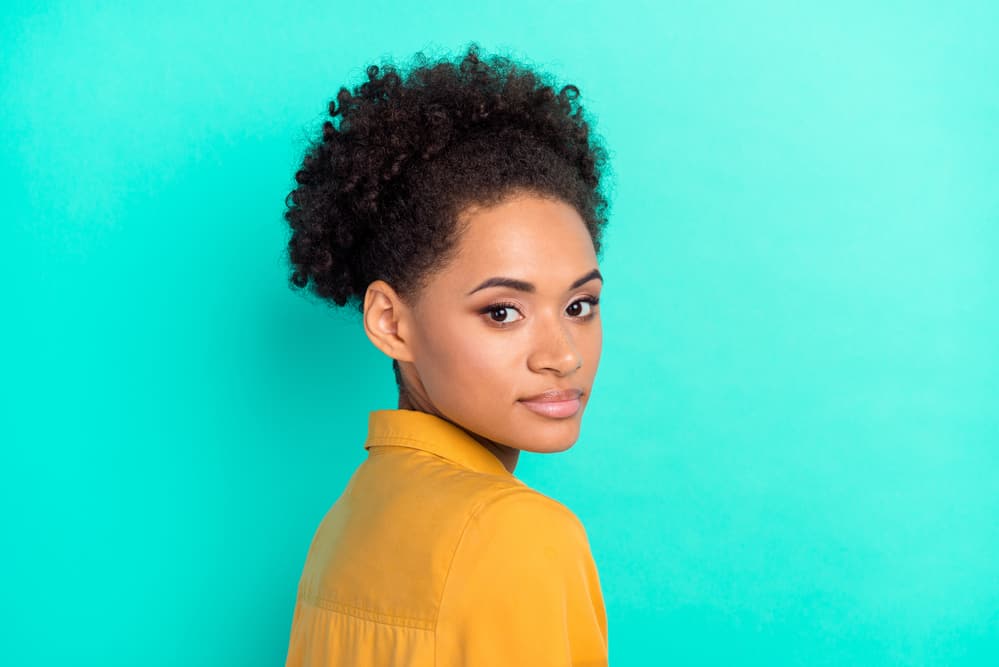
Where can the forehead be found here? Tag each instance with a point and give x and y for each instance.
(528, 237)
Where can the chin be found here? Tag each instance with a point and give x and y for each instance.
(549, 438)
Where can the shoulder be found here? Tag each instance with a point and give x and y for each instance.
(522, 587)
(520, 531)
(499, 501)
(522, 513)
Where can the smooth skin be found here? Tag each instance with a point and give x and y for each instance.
(471, 355)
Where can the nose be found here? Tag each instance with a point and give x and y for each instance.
(554, 350)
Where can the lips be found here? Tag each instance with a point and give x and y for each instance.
(554, 403)
(554, 395)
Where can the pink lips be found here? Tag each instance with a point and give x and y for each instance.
(558, 404)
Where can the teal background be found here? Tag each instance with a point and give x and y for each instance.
(790, 457)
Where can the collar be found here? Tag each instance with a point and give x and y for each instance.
(427, 432)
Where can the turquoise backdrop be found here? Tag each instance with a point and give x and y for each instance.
(792, 452)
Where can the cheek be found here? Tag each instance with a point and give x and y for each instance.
(592, 346)
(598, 342)
(463, 362)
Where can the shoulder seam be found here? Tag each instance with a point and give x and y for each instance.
(492, 500)
(457, 545)
(464, 528)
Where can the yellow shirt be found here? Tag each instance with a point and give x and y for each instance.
(436, 555)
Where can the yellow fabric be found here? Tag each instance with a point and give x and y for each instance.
(435, 555)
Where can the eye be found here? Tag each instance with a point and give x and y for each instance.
(502, 313)
(582, 307)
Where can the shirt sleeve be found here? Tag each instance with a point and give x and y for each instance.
(522, 589)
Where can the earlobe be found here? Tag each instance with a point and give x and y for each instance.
(384, 320)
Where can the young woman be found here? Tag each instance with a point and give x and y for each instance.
(458, 207)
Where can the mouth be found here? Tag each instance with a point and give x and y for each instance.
(554, 404)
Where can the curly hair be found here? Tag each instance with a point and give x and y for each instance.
(380, 194)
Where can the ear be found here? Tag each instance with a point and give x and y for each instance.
(386, 321)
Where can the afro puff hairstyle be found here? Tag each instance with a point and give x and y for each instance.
(380, 194)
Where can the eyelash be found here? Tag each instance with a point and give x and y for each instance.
(592, 300)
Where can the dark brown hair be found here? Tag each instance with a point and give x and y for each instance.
(379, 193)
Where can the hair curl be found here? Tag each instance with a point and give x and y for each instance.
(379, 194)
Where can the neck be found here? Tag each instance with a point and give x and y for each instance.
(508, 456)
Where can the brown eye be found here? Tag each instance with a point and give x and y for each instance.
(581, 308)
(502, 313)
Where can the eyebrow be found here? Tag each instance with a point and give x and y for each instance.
(524, 286)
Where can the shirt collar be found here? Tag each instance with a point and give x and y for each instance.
(430, 433)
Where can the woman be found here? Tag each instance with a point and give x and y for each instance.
(457, 206)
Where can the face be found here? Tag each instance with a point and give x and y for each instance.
(511, 323)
